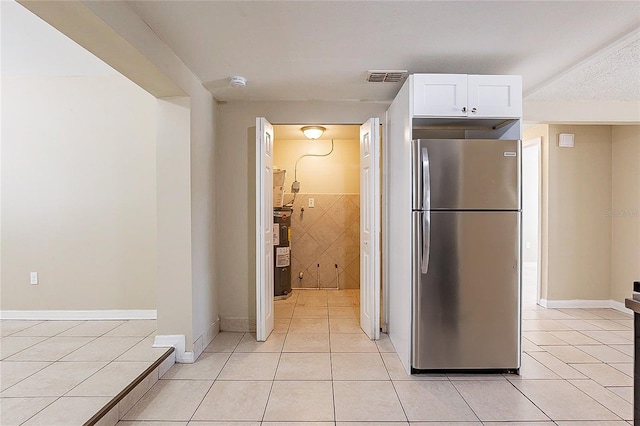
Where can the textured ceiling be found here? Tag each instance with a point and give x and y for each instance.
(610, 75)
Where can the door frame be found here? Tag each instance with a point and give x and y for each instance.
(528, 144)
(260, 283)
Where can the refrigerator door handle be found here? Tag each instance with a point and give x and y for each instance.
(426, 241)
(426, 180)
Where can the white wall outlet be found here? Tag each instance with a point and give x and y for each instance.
(33, 277)
(312, 202)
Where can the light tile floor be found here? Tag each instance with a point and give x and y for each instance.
(319, 368)
(63, 372)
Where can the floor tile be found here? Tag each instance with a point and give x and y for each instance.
(51, 349)
(103, 349)
(8, 327)
(541, 338)
(625, 368)
(225, 341)
(110, 380)
(304, 366)
(433, 400)
(11, 372)
(146, 423)
(309, 325)
(613, 402)
(15, 411)
(625, 392)
(604, 374)
(250, 366)
(562, 369)
(282, 311)
(606, 354)
(54, 380)
(609, 313)
(579, 313)
(142, 351)
(560, 400)
(170, 400)
(281, 325)
(234, 401)
(579, 324)
(367, 401)
(344, 312)
(607, 337)
(396, 370)
(12, 345)
(498, 401)
(92, 328)
(207, 367)
(610, 325)
(574, 337)
(300, 401)
(47, 328)
(385, 344)
(274, 343)
(310, 312)
(625, 349)
(68, 411)
(528, 346)
(531, 369)
(542, 325)
(134, 328)
(305, 342)
(569, 354)
(358, 366)
(352, 343)
(137, 393)
(344, 325)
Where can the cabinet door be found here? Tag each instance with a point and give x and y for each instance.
(495, 96)
(440, 95)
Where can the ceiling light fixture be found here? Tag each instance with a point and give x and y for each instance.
(313, 132)
(237, 81)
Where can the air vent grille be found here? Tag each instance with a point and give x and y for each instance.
(386, 76)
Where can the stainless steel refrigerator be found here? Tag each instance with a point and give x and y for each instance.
(466, 254)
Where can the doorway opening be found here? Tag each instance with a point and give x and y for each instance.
(326, 251)
(531, 164)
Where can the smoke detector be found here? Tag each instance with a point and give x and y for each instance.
(237, 81)
(395, 76)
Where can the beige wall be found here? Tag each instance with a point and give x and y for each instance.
(579, 233)
(625, 211)
(235, 182)
(78, 194)
(338, 173)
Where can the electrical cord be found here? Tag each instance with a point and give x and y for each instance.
(295, 173)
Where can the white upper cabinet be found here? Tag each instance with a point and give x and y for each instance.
(462, 95)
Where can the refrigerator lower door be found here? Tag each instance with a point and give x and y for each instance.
(466, 306)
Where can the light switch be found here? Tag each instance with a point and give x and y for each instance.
(33, 277)
(312, 202)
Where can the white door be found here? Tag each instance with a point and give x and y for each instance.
(370, 228)
(264, 229)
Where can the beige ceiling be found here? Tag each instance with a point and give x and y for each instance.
(321, 50)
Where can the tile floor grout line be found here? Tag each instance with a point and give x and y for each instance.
(594, 400)
(529, 399)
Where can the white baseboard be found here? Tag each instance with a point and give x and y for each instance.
(243, 325)
(586, 304)
(203, 341)
(176, 341)
(114, 314)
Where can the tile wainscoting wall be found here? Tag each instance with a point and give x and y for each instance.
(327, 234)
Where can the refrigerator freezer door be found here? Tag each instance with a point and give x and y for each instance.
(466, 174)
(466, 307)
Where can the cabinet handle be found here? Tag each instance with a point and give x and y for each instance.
(474, 110)
(464, 109)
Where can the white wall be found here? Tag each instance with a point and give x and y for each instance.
(78, 194)
(235, 169)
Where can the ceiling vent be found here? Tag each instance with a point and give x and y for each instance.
(386, 76)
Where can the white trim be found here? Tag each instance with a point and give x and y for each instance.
(585, 304)
(176, 341)
(529, 264)
(114, 314)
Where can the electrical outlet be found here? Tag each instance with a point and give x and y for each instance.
(312, 202)
(33, 277)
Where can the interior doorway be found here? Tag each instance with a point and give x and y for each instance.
(531, 168)
(334, 227)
